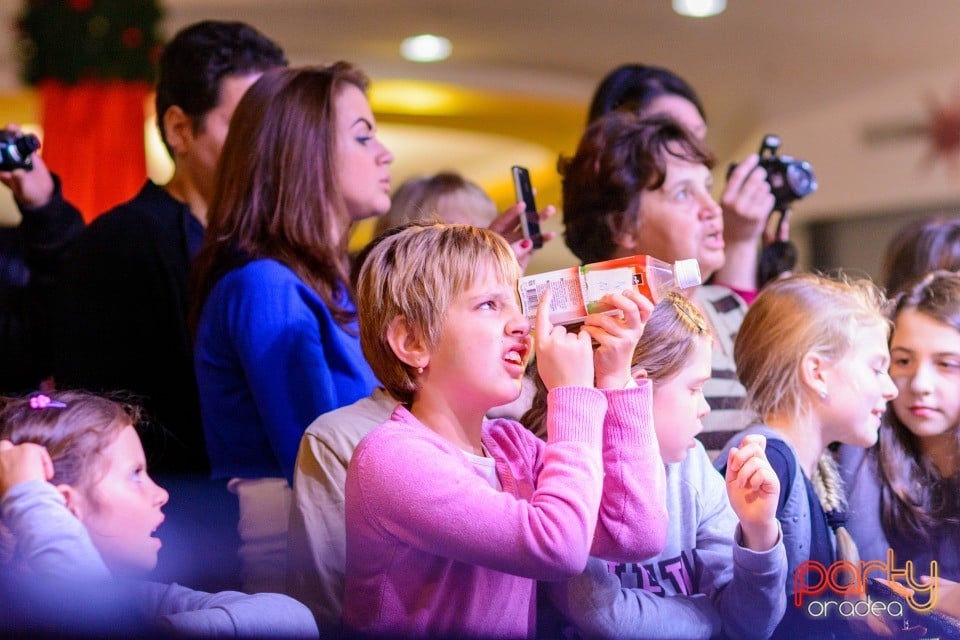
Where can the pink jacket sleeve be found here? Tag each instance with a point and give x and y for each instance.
(632, 522)
(416, 488)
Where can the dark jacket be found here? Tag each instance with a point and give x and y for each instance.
(122, 320)
(31, 255)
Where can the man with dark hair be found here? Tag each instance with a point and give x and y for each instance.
(120, 306)
(122, 301)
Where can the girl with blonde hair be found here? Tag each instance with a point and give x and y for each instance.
(723, 567)
(812, 354)
(450, 518)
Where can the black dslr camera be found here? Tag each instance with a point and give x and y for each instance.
(16, 150)
(789, 179)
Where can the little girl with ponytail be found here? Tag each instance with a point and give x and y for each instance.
(78, 518)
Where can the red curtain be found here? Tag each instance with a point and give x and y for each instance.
(93, 139)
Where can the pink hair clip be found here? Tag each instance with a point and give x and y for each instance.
(41, 401)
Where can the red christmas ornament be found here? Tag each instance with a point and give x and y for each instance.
(80, 5)
(943, 131)
(131, 37)
(155, 52)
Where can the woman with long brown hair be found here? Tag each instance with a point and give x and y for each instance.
(276, 339)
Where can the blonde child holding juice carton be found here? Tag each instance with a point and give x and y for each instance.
(451, 519)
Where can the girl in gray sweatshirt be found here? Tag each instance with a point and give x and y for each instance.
(723, 568)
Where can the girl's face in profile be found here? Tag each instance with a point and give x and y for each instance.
(679, 405)
(121, 511)
(925, 366)
(858, 388)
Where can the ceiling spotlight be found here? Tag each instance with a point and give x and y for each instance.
(699, 8)
(426, 48)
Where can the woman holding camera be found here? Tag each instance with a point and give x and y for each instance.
(642, 186)
(746, 199)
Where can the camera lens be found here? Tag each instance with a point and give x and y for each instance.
(16, 149)
(801, 179)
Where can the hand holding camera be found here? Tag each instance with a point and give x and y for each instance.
(22, 171)
(751, 196)
(788, 179)
(746, 201)
(16, 150)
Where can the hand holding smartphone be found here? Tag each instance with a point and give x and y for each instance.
(530, 220)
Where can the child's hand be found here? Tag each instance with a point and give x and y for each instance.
(22, 462)
(754, 490)
(563, 359)
(948, 596)
(617, 336)
(507, 224)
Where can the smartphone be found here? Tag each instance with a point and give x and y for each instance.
(530, 220)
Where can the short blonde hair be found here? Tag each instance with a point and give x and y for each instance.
(668, 338)
(443, 197)
(414, 274)
(792, 317)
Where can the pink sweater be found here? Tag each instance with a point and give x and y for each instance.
(434, 551)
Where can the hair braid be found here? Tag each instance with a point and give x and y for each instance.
(828, 485)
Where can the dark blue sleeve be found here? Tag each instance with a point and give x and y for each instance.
(31, 256)
(49, 232)
(784, 466)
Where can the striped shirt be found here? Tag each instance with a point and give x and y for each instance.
(724, 393)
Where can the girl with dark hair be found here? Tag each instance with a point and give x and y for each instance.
(919, 247)
(276, 335)
(905, 491)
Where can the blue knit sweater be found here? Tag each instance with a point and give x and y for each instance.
(270, 358)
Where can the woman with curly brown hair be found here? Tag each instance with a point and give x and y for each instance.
(642, 186)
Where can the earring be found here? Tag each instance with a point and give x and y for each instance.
(419, 369)
(823, 394)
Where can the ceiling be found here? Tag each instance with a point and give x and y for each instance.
(542, 59)
(523, 71)
(757, 59)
